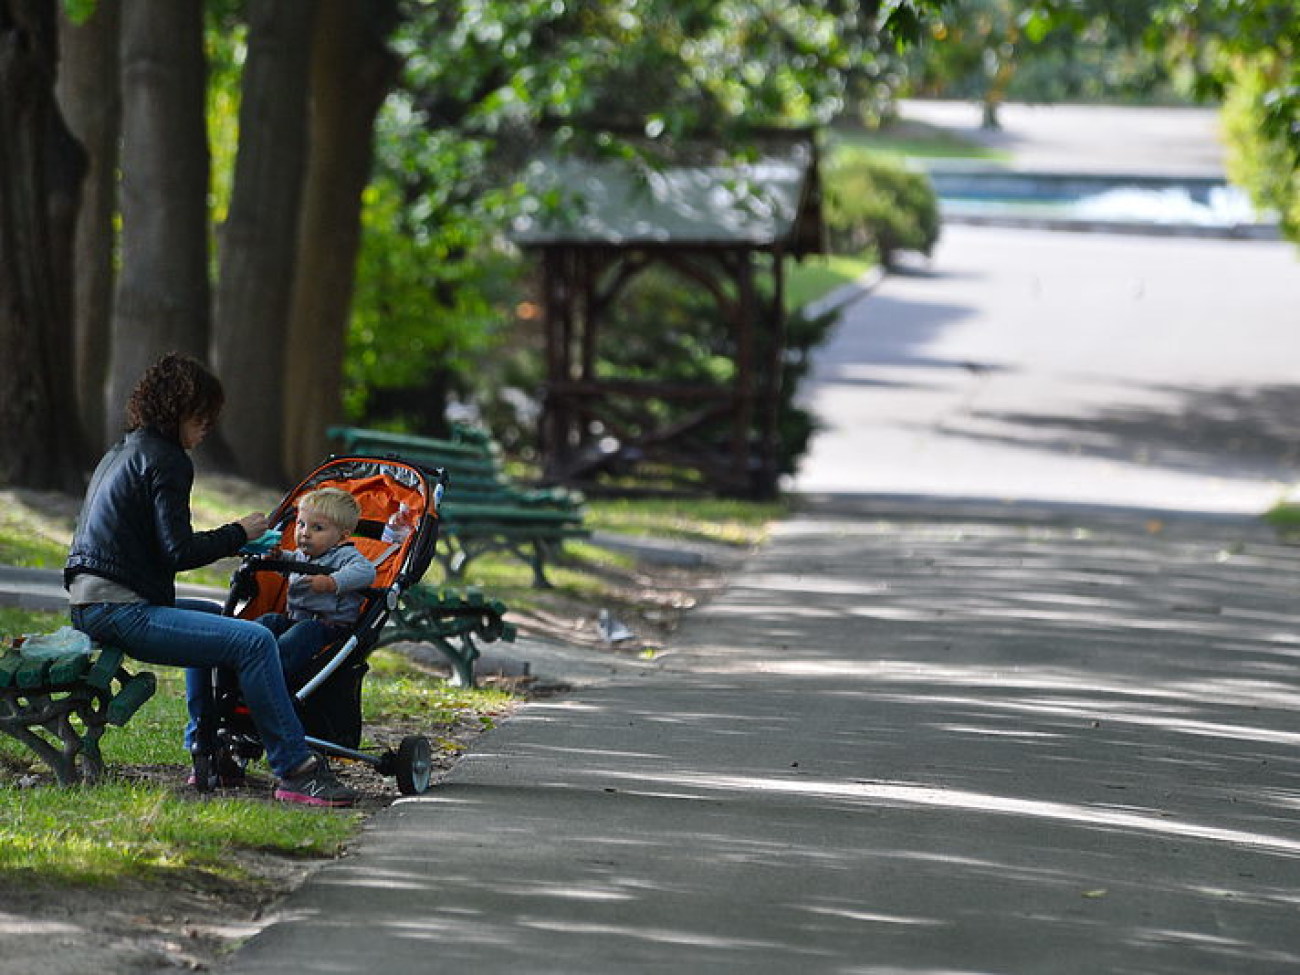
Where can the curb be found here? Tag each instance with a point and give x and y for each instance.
(42, 589)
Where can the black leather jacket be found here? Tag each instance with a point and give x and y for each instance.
(135, 526)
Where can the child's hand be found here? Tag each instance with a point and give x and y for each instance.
(323, 584)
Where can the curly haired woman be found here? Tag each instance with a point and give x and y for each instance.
(134, 534)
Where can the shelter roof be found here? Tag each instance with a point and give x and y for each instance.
(769, 200)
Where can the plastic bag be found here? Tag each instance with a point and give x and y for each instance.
(62, 641)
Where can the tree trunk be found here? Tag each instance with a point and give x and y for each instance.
(41, 167)
(352, 71)
(258, 242)
(90, 97)
(162, 299)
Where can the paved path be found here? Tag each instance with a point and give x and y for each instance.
(925, 730)
(1088, 138)
(1030, 365)
(899, 744)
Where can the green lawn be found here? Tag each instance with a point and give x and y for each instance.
(819, 275)
(912, 139)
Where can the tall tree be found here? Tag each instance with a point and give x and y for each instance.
(162, 298)
(41, 167)
(89, 95)
(258, 241)
(352, 71)
(511, 67)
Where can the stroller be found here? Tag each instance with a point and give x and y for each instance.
(329, 702)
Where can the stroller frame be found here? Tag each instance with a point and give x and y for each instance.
(329, 701)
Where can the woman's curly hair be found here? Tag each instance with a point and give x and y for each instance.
(175, 388)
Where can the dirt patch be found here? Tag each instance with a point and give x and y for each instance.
(187, 921)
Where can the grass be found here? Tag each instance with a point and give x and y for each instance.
(1285, 519)
(15, 621)
(125, 830)
(819, 275)
(398, 691)
(119, 830)
(30, 538)
(913, 140)
(739, 523)
(122, 831)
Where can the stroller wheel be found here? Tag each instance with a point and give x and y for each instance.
(203, 774)
(414, 765)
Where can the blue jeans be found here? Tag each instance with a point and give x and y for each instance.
(195, 635)
(300, 641)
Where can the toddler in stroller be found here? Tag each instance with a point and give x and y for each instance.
(320, 607)
(328, 681)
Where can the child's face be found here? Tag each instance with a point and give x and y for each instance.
(315, 533)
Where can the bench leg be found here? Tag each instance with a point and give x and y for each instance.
(41, 711)
(456, 559)
(538, 563)
(450, 622)
(458, 648)
(461, 659)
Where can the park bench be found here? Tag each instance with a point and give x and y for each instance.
(484, 510)
(449, 620)
(57, 695)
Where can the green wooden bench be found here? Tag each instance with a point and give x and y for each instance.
(58, 701)
(484, 510)
(450, 620)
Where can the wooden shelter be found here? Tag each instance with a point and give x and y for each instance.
(723, 227)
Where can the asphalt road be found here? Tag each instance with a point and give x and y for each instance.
(951, 742)
(1015, 692)
(1087, 138)
(1031, 365)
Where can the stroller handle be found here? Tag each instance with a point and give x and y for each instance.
(289, 567)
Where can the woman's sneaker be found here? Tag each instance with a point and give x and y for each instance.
(315, 785)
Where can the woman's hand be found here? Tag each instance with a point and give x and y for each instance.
(254, 525)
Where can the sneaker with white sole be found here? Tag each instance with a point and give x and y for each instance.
(315, 785)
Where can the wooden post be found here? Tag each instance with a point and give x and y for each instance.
(773, 377)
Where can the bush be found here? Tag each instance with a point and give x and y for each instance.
(876, 202)
(805, 333)
(1260, 158)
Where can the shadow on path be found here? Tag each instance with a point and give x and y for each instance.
(904, 741)
(1248, 432)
